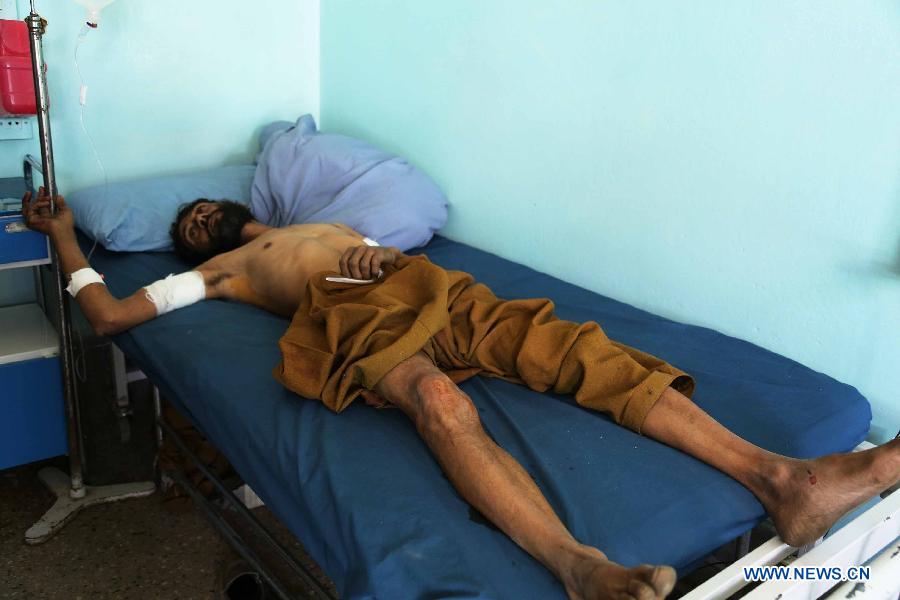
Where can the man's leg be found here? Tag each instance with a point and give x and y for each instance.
(524, 340)
(803, 497)
(494, 483)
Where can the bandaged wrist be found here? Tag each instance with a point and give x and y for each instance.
(370, 242)
(176, 291)
(81, 278)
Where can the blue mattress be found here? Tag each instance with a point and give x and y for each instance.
(368, 501)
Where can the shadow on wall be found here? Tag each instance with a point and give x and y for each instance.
(249, 148)
(892, 268)
(895, 268)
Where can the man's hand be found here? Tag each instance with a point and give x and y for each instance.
(365, 262)
(38, 216)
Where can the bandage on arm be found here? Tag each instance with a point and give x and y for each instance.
(82, 278)
(176, 291)
(106, 313)
(109, 315)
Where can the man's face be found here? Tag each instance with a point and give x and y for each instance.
(213, 227)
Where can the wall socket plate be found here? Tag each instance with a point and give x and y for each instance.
(16, 128)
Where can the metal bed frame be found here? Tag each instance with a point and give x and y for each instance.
(872, 534)
(232, 535)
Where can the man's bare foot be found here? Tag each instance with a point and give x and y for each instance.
(594, 577)
(808, 496)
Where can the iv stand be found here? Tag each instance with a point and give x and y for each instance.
(71, 493)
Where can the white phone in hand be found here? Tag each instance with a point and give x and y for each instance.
(357, 281)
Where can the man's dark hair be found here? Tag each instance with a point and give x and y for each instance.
(224, 237)
(183, 251)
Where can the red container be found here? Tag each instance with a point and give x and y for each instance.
(16, 79)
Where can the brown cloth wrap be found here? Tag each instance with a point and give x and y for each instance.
(345, 337)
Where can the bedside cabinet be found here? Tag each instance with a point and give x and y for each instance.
(32, 413)
(19, 246)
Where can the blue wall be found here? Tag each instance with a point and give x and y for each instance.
(731, 164)
(172, 86)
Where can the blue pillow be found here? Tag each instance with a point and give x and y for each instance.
(136, 215)
(307, 176)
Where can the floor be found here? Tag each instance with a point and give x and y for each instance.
(130, 549)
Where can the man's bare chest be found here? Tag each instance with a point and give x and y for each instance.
(273, 271)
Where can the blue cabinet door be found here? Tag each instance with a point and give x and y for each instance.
(32, 415)
(20, 246)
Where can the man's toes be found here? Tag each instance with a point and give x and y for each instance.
(663, 579)
(660, 579)
(640, 590)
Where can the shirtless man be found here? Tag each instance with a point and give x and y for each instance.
(246, 261)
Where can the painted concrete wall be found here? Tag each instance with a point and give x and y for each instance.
(730, 164)
(172, 85)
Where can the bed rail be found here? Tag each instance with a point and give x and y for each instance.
(853, 545)
(227, 530)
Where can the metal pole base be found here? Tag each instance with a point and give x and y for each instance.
(66, 507)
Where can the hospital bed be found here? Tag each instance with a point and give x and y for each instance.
(370, 504)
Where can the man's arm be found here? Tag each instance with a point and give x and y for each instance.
(107, 314)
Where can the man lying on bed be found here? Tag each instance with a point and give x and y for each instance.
(413, 330)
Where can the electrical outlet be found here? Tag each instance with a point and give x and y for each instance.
(16, 128)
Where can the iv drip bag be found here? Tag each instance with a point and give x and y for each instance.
(93, 8)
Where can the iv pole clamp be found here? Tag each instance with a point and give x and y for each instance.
(71, 493)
